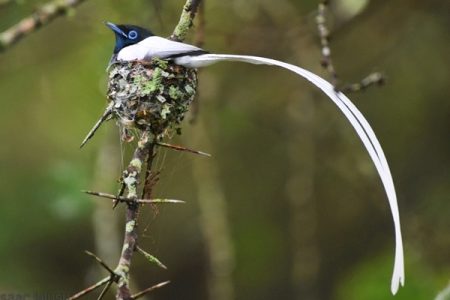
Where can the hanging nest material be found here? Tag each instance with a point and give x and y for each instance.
(152, 96)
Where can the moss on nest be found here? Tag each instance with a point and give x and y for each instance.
(151, 96)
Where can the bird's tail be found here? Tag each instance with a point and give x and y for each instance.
(359, 123)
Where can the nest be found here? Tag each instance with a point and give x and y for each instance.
(152, 96)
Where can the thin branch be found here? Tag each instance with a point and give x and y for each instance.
(161, 201)
(146, 291)
(105, 289)
(101, 262)
(186, 20)
(43, 16)
(90, 289)
(106, 114)
(324, 35)
(327, 62)
(372, 79)
(151, 258)
(182, 148)
(109, 196)
(132, 200)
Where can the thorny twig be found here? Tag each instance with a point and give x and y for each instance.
(105, 290)
(101, 262)
(132, 200)
(151, 258)
(148, 290)
(182, 148)
(42, 16)
(376, 78)
(131, 178)
(324, 35)
(327, 63)
(143, 155)
(107, 114)
(90, 289)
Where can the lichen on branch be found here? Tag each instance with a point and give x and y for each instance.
(186, 20)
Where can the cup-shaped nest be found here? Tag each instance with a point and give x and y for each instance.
(152, 96)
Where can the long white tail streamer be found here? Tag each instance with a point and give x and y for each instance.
(359, 123)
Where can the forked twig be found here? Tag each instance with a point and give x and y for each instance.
(90, 289)
(105, 290)
(143, 155)
(375, 78)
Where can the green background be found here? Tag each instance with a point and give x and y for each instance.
(271, 135)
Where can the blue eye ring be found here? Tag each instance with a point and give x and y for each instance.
(132, 34)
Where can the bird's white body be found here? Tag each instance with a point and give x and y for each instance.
(183, 54)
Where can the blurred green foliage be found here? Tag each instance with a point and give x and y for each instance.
(52, 89)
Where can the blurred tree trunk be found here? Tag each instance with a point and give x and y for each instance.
(300, 193)
(105, 223)
(213, 218)
(300, 186)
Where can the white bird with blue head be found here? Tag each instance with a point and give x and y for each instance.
(134, 43)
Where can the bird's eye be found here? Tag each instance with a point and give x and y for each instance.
(132, 34)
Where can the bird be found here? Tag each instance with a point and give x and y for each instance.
(135, 43)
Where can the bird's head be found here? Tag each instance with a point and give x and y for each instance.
(127, 35)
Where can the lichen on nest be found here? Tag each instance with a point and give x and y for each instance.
(152, 96)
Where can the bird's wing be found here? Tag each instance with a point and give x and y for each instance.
(133, 52)
(156, 46)
(357, 120)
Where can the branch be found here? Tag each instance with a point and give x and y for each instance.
(43, 16)
(101, 262)
(105, 289)
(371, 79)
(131, 179)
(90, 289)
(151, 258)
(186, 20)
(327, 63)
(106, 115)
(143, 156)
(132, 200)
(146, 291)
(182, 148)
(324, 35)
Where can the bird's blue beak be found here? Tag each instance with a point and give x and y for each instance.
(115, 29)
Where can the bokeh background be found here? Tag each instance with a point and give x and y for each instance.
(288, 207)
